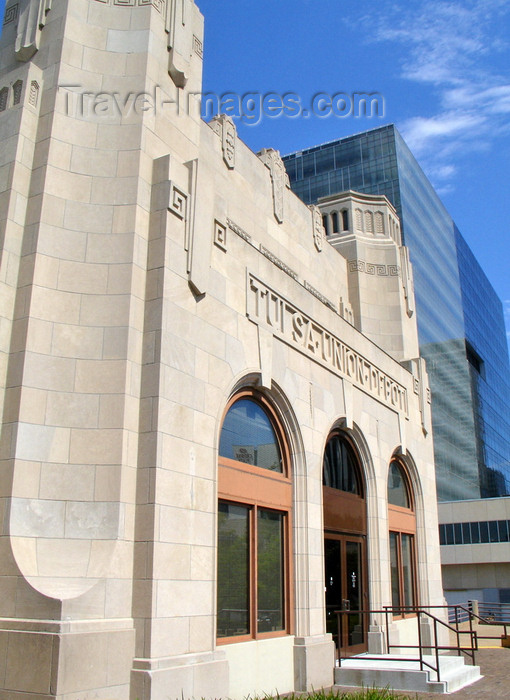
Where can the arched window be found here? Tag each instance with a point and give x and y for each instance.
(398, 489)
(369, 222)
(334, 220)
(379, 223)
(4, 95)
(340, 466)
(16, 91)
(255, 496)
(345, 220)
(402, 534)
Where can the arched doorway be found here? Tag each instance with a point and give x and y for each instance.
(345, 529)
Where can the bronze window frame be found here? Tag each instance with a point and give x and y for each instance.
(402, 521)
(261, 489)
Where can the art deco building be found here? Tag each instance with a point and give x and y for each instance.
(208, 414)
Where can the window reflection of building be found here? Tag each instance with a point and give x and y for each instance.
(402, 533)
(253, 522)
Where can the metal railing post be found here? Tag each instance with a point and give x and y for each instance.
(437, 651)
(418, 617)
(339, 630)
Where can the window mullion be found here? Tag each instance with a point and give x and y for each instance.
(254, 572)
(400, 572)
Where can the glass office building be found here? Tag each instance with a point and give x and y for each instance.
(460, 317)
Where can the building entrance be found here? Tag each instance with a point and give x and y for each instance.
(345, 590)
(345, 529)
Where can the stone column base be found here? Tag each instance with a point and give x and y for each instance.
(314, 662)
(73, 660)
(376, 640)
(189, 676)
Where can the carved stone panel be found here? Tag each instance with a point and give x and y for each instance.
(178, 201)
(226, 130)
(319, 232)
(279, 179)
(220, 235)
(31, 22)
(11, 14)
(181, 39)
(407, 280)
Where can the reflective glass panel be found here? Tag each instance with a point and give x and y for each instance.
(407, 569)
(397, 488)
(270, 571)
(340, 466)
(395, 585)
(248, 436)
(354, 588)
(233, 568)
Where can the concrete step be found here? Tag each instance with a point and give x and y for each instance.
(388, 670)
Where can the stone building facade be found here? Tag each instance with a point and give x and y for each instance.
(204, 405)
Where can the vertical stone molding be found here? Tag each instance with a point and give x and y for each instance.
(31, 22)
(407, 280)
(185, 39)
(279, 179)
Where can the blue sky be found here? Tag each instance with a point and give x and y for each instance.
(441, 66)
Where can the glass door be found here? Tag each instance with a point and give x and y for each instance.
(345, 590)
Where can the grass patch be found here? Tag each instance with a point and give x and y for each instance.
(364, 694)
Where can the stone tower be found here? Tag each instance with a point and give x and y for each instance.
(85, 89)
(153, 270)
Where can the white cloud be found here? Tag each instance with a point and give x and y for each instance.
(418, 131)
(451, 46)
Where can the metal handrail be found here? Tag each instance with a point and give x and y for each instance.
(498, 613)
(482, 620)
(419, 611)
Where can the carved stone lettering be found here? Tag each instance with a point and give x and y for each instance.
(268, 308)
